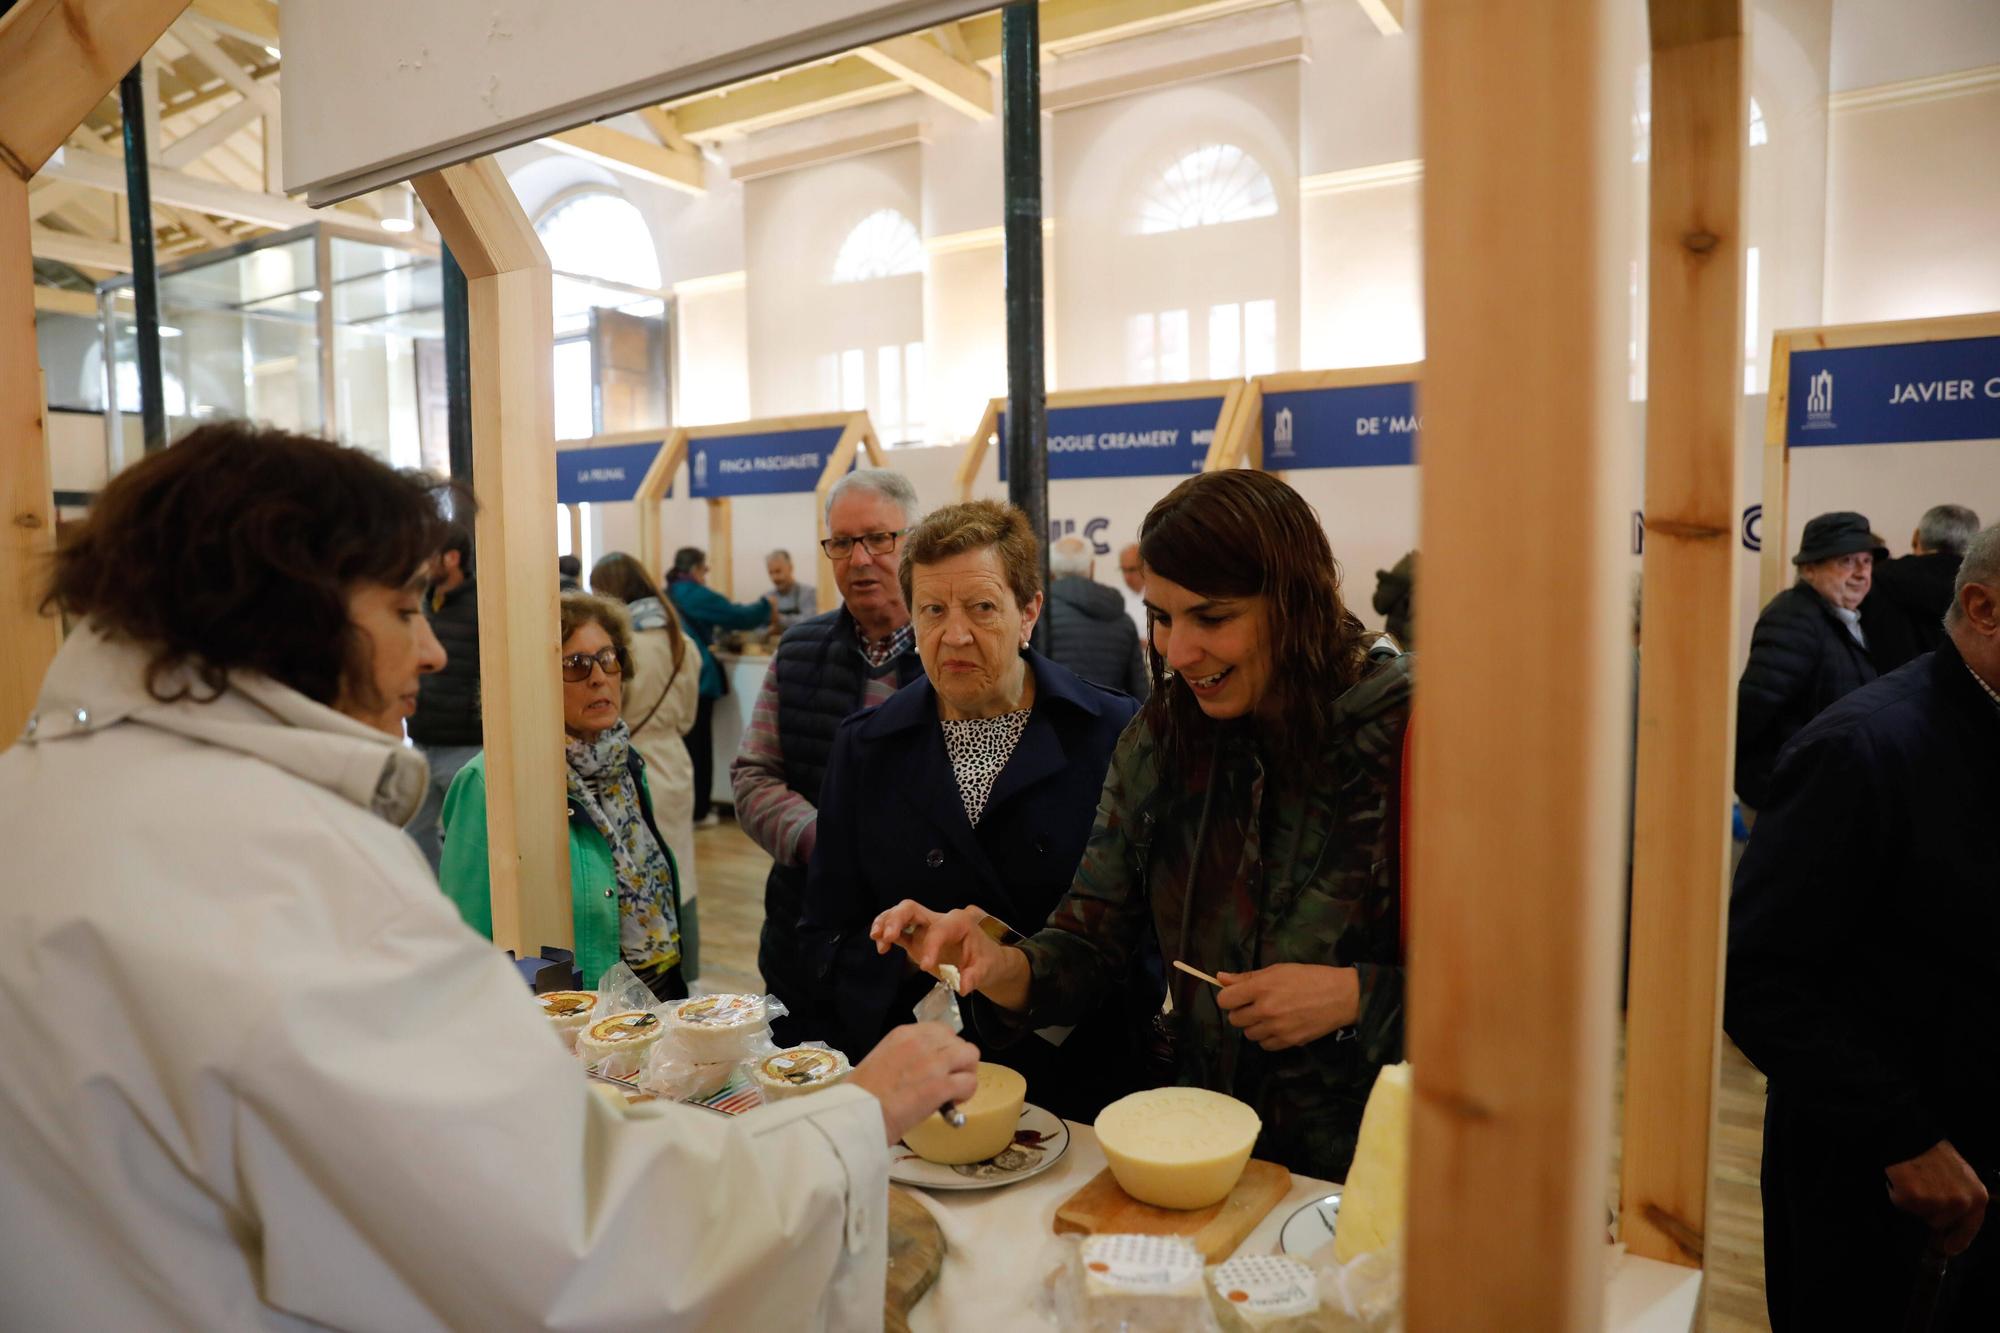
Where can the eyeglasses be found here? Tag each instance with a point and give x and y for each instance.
(878, 543)
(576, 667)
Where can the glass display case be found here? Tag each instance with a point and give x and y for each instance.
(322, 329)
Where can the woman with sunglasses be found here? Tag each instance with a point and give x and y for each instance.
(624, 885)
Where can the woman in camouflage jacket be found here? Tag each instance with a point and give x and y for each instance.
(1248, 821)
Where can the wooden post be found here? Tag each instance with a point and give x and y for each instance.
(1774, 556)
(513, 445)
(1514, 938)
(61, 58)
(1687, 685)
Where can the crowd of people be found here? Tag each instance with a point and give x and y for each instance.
(338, 1066)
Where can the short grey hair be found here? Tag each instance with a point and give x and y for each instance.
(893, 486)
(1070, 558)
(1981, 565)
(780, 554)
(1947, 528)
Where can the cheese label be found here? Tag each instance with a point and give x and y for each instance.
(801, 1066)
(566, 1003)
(624, 1027)
(1267, 1284)
(720, 1010)
(1142, 1265)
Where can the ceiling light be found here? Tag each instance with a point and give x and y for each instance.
(169, 331)
(310, 294)
(272, 51)
(398, 224)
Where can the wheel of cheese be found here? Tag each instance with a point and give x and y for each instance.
(797, 1070)
(567, 1012)
(617, 1045)
(720, 1028)
(1371, 1204)
(1177, 1147)
(990, 1119)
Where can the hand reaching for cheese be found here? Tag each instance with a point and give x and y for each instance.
(916, 1069)
(935, 940)
(1289, 1004)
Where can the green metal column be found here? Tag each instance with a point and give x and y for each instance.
(145, 274)
(1027, 407)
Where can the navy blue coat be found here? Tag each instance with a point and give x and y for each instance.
(893, 826)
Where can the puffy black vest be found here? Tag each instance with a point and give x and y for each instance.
(448, 700)
(821, 676)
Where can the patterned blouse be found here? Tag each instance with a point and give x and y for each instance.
(979, 748)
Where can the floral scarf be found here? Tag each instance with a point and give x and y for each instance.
(602, 786)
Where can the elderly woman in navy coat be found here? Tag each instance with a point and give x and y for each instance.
(976, 785)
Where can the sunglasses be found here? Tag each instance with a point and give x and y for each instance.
(576, 666)
(878, 543)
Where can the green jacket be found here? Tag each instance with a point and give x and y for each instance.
(1296, 866)
(593, 881)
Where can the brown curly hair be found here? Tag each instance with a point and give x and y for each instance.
(1243, 533)
(237, 549)
(971, 526)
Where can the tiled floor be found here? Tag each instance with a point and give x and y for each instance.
(732, 912)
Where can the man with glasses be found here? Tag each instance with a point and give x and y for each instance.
(827, 666)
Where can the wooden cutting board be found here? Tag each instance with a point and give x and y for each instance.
(916, 1253)
(1101, 1208)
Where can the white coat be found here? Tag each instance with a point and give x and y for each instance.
(665, 703)
(260, 1076)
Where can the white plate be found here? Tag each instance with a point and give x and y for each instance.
(1308, 1229)
(1015, 1163)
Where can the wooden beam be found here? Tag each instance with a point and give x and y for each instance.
(1775, 571)
(814, 90)
(666, 129)
(69, 248)
(28, 639)
(513, 444)
(1513, 938)
(960, 85)
(63, 301)
(252, 20)
(1386, 15)
(1687, 684)
(210, 134)
(629, 155)
(61, 56)
(101, 171)
(196, 37)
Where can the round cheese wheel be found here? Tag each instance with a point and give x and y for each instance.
(567, 1012)
(720, 1028)
(1177, 1147)
(990, 1118)
(798, 1070)
(618, 1045)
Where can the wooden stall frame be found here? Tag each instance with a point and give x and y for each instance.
(508, 298)
(1305, 381)
(1687, 687)
(857, 433)
(1226, 449)
(1775, 557)
(61, 58)
(1513, 940)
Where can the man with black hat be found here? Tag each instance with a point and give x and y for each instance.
(1807, 650)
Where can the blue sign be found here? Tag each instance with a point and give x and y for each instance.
(773, 463)
(1906, 393)
(597, 475)
(1162, 438)
(1366, 425)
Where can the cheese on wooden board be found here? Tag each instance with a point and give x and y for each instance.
(1372, 1202)
(990, 1119)
(1177, 1147)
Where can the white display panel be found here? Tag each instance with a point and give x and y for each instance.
(376, 91)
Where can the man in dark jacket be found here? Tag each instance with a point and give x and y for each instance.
(1864, 980)
(1807, 650)
(1904, 611)
(446, 725)
(826, 667)
(1089, 631)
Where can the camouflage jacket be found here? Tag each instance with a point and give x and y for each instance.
(1296, 866)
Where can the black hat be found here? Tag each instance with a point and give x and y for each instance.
(1829, 535)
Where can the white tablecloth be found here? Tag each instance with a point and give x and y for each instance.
(998, 1249)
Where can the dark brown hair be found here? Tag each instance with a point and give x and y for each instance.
(237, 549)
(620, 575)
(956, 529)
(1243, 533)
(581, 608)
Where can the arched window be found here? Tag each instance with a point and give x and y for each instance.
(598, 234)
(884, 244)
(1214, 183)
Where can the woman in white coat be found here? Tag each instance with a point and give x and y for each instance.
(259, 1074)
(660, 702)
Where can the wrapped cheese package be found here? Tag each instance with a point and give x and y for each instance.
(619, 1044)
(568, 1012)
(1274, 1293)
(1130, 1284)
(798, 1070)
(724, 1028)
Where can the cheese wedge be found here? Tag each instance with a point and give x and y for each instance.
(1177, 1147)
(1371, 1205)
(990, 1119)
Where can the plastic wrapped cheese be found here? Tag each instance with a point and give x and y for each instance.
(568, 1011)
(990, 1119)
(1139, 1284)
(1371, 1205)
(618, 1044)
(720, 1028)
(798, 1070)
(1270, 1293)
(1177, 1147)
